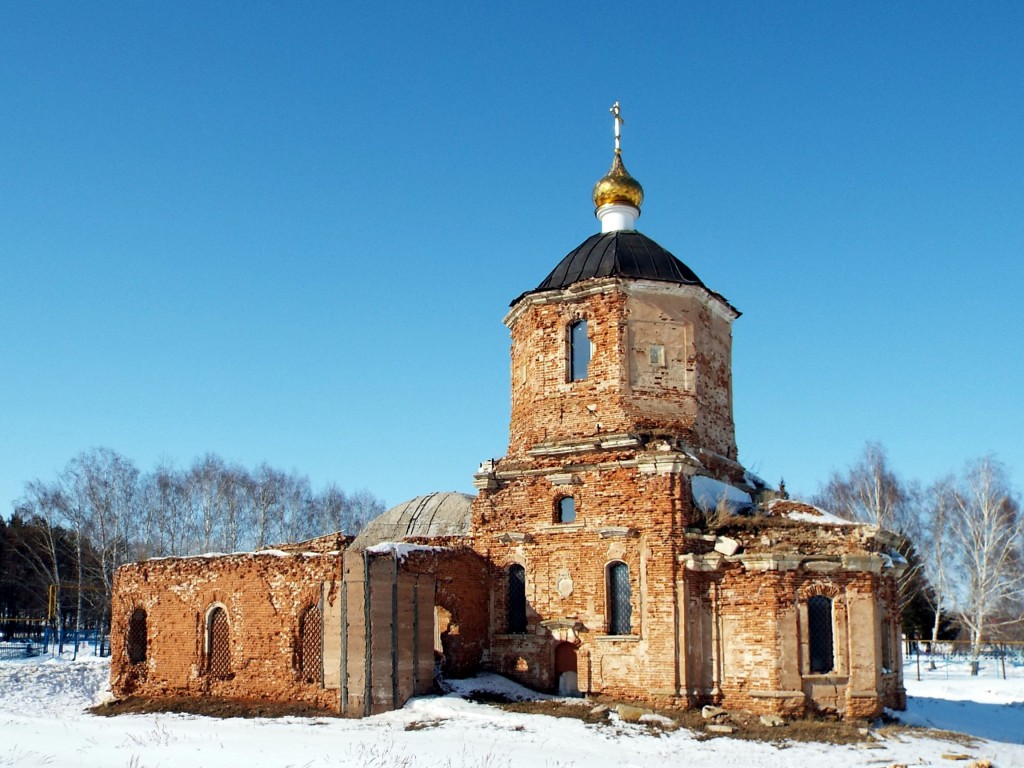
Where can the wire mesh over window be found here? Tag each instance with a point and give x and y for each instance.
(516, 599)
(619, 604)
(135, 643)
(819, 630)
(218, 661)
(311, 644)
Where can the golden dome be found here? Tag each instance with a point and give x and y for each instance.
(617, 186)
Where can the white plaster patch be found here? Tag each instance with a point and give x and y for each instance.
(564, 586)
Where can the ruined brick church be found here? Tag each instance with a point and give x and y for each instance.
(618, 548)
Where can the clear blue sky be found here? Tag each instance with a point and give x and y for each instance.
(289, 232)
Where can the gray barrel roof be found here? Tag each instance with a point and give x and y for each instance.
(429, 516)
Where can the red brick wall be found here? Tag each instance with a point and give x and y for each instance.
(545, 405)
(463, 589)
(731, 635)
(263, 595)
(622, 516)
(760, 652)
(690, 397)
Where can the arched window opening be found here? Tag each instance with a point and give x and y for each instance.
(620, 608)
(311, 644)
(579, 351)
(567, 509)
(218, 644)
(136, 641)
(819, 631)
(516, 599)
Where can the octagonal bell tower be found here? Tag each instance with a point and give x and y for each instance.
(621, 341)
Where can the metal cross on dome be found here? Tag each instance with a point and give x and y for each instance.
(619, 122)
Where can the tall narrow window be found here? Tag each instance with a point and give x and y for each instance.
(218, 644)
(579, 351)
(311, 644)
(887, 662)
(516, 599)
(819, 631)
(619, 604)
(567, 509)
(136, 641)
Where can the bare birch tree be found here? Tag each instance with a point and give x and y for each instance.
(331, 510)
(871, 492)
(72, 509)
(295, 510)
(232, 490)
(362, 507)
(205, 485)
(936, 550)
(101, 491)
(987, 532)
(266, 497)
(45, 552)
(168, 512)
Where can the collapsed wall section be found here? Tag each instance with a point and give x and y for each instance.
(385, 629)
(356, 633)
(798, 618)
(408, 614)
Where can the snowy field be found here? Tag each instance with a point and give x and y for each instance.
(42, 723)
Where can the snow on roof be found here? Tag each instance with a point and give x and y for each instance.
(754, 481)
(804, 513)
(246, 553)
(401, 550)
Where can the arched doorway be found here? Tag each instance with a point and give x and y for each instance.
(565, 670)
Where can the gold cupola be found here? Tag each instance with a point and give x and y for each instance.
(617, 186)
(617, 195)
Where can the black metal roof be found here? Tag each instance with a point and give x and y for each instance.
(617, 254)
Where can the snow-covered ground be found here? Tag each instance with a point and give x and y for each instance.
(42, 723)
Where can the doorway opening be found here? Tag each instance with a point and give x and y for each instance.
(565, 670)
(444, 628)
